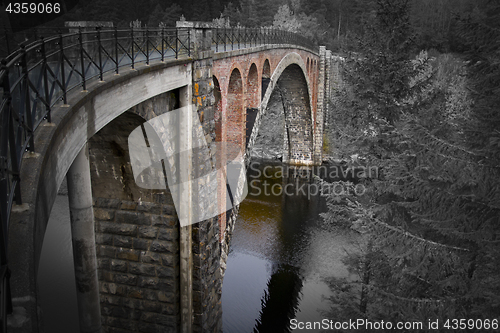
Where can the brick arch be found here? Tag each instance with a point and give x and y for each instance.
(290, 79)
(218, 109)
(252, 87)
(266, 77)
(266, 69)
(235, 108)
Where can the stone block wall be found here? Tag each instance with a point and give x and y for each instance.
(138, 257)
(293, 90)
(269, 144)
(207, 281)
(137, 232)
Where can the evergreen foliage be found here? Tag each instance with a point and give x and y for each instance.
(429, 122)
(431, 220)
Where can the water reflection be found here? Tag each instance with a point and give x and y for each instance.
(282, 254)
(56, 275)
(281, 300)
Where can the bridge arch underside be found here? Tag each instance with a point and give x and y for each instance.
(285, 127)
(259, 72)
(137, 233)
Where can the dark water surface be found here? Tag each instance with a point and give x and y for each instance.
(281, 256)
(56, 275)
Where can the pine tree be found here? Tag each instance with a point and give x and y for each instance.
(431, 222)
(155, 17)
(480, 33)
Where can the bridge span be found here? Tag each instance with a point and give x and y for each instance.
(69, 104)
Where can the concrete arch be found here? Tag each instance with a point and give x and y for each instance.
(58, 144)
(291, 80)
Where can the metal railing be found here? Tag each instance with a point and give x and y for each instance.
(229, 39)
(41, 73)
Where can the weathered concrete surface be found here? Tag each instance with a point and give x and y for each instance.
(57, 145)
(138, 238)
(83, 239)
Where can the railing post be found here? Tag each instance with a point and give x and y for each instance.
(15, 158)
(8, 135)
(116, 52)
(5, 297)
(162, 44)
(231, 38)
(216, 39)
(4, 158)
(147, 46)
(26, 98)
(239, 38)
(82, 62)
(189, 42)
(45, 80)
(132, 42)
(6, 39)
(98, 30)
(177, 43)
(61, 63)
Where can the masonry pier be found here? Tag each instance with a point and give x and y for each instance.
(137, 269)
(83, 239)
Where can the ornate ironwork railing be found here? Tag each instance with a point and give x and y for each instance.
(41, 73)
(229, 39)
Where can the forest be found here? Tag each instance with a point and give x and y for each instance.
(422, 108)
(333, 23)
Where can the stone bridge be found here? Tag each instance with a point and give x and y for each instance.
(137, 269)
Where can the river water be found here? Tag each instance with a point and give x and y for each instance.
(282, 254)
(56, 275)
